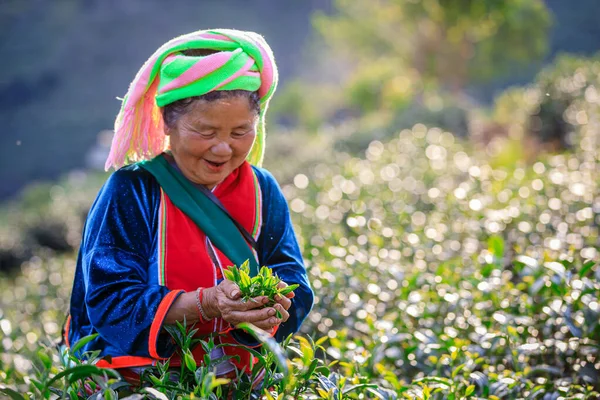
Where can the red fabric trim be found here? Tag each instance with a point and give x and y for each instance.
(157, 323)
(67, 327)
(227, 328)
(175, 360)
(125, 361)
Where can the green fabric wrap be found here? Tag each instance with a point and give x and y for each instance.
(207, 83)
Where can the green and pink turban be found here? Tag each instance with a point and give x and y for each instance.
(242, 60)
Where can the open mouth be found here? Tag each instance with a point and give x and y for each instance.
(215, 164)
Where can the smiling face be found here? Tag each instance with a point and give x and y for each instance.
(213, 138)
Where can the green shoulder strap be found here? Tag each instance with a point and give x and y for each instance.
(211, 220)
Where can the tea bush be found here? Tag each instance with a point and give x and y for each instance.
(438, 273)
(436, 276)
(560, 108)
(440, 265)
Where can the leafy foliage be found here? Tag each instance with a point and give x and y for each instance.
(263, 284)
(559, 108)
(437, 273)
(436, 276)
(428, 44)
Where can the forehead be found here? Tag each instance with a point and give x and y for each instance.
(226, 111)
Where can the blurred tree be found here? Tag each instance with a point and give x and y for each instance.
(398, 49)
(561, 107)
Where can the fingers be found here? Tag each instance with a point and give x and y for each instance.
(253, 303)
(230, 297)
(235, 310)
(266, 325)
(231, 290)
(262, 317)
(283, 311)
(265, 318)
(284, 301)
(272, 322)
(228, 306)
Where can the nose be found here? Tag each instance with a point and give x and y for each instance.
(221, 149)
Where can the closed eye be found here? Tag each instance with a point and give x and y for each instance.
(241, 133)
(206, 134)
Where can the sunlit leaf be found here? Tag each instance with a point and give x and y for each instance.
(79, 371)
(82, 342)
(270, 343)
(470, 390)
(496, 246)
(586, 268)
(155, 393)
(12, 394)
(190, 363)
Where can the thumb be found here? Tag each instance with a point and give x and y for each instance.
(231, 290)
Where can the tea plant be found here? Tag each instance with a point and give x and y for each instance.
(263, 284)
(438, 274)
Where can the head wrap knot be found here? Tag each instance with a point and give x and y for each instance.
(241, 60)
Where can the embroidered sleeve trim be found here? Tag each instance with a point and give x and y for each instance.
(157, 323)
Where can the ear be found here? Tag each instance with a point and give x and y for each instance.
(167, 131)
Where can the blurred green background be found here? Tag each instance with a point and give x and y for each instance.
(440, 158)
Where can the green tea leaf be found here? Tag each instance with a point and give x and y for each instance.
(82, 342)
(586, 267)
(457, 370)
(496, 246)
(79, 371)
(229, 275)
(288, 289)
(470, 390)
(433, 379)
(245, 267)
(190, 363)
(270, 344)
(245, 281)
(12, 394)
(265, 272)
(157, 395)
(354, 388)
(236, 274)
(44, 358)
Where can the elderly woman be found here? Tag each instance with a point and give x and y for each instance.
(191, 202)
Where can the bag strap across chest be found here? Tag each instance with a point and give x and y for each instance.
(210, 216)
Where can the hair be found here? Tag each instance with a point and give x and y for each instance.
(173, 111)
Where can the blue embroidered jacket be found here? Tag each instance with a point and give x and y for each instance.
(115, 294)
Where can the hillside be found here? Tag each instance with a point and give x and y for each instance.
(70, 59)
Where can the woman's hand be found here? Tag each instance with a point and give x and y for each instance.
(283, 302)
(224, 300)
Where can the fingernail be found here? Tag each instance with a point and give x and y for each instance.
(278, 297)
(272, 311)
(265, 300)
(273, 320)
(234, 293)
